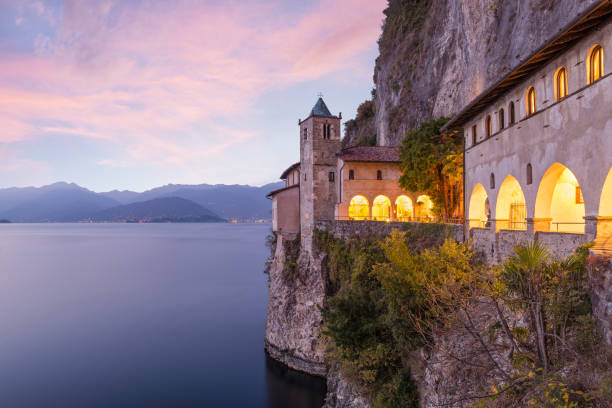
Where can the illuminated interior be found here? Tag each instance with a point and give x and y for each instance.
(595, 65)
(403, 206)
(560, 200)
(560, 84)
(381, 208)
(531, 101)
(604, 229)
(511, 207)
(424, 208)
(479, 211)
(359, 208)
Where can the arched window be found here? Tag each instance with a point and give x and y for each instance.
(595, 64)
(474, 135)
(529, 173)
(488, 128)
(351, 174)
(359, 208)
(378, 175)
(305, 133)
(531, 101)
(560, 84)
(492, 181)
(502, 119)
(329, 131)
(512, 120)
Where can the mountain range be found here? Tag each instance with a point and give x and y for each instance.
(69, 202)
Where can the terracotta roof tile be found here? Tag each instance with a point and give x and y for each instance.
(370, 154)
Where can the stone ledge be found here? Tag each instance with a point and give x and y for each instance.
(296, 363)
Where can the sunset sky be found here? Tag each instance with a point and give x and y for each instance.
(135, 94)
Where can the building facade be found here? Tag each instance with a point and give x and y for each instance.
(538, 144)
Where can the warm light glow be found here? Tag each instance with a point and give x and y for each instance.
(381, 208)
(479, 211)
(556, 200)
(595, 65)
(560, 84)
(531, 101)
(511, 208)
(404, 209)
(424, 208)
(488, 127)
(359, 208)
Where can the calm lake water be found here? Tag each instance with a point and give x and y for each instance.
(139, 315)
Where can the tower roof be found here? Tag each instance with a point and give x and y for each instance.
(320, 109)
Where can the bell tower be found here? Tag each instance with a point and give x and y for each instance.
(319, 145)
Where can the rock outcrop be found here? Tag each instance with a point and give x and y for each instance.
(295, 294)
(343, 394)
(437, 55)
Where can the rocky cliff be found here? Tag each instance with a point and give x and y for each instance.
(437, 55)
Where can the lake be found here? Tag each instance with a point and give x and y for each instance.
(139, 315)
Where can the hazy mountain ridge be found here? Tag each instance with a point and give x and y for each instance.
(167, 209)
(68, 202)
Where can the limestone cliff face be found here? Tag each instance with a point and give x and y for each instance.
(437, 55)
(295, 294)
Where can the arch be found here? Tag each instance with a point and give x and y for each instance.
(559, 206)
(424, 208)
(595, 60)
(479, 211)
(604, 226)
(359, 208)
(381, 208)
(502, 119)
(512, 116)
(530, 101)
(488, 127)
(378, 174)
(511, 207)
(351, 174)
(560, 83)
(403, 208)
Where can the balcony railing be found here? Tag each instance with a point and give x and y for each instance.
(441, 220)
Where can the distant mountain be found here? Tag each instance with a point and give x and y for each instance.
(168, 209)
(64, 202)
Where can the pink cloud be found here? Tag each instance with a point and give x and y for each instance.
(157, 78)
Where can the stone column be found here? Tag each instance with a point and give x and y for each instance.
(538, 224)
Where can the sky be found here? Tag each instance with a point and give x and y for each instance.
(133, 94)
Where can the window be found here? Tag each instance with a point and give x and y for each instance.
(560, 84)
(324, 131)
(331, 176)
(531, 101)
(579, 198)
(529, 174)
(378, 175)
(351, 174)
(502, 119)
(474, 135)
(488, 129)
(492, 181)
(595, 64)
(512, 120)
(329, 131)
(305, 133)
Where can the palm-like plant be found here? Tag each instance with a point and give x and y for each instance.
(525, 275)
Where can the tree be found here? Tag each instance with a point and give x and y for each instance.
(432, 162)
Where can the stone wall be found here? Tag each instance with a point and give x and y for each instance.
(507, 240)
(561, 245)
(373, 229)
(600, 276)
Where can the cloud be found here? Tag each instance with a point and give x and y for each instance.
(158, 78)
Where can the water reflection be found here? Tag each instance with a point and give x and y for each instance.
(289, 388)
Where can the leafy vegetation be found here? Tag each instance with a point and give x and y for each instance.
(538, 346)
(432, 162)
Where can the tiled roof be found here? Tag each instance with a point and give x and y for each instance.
(289, 170)
(370, 154)
(272, 193)
(320, 109)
